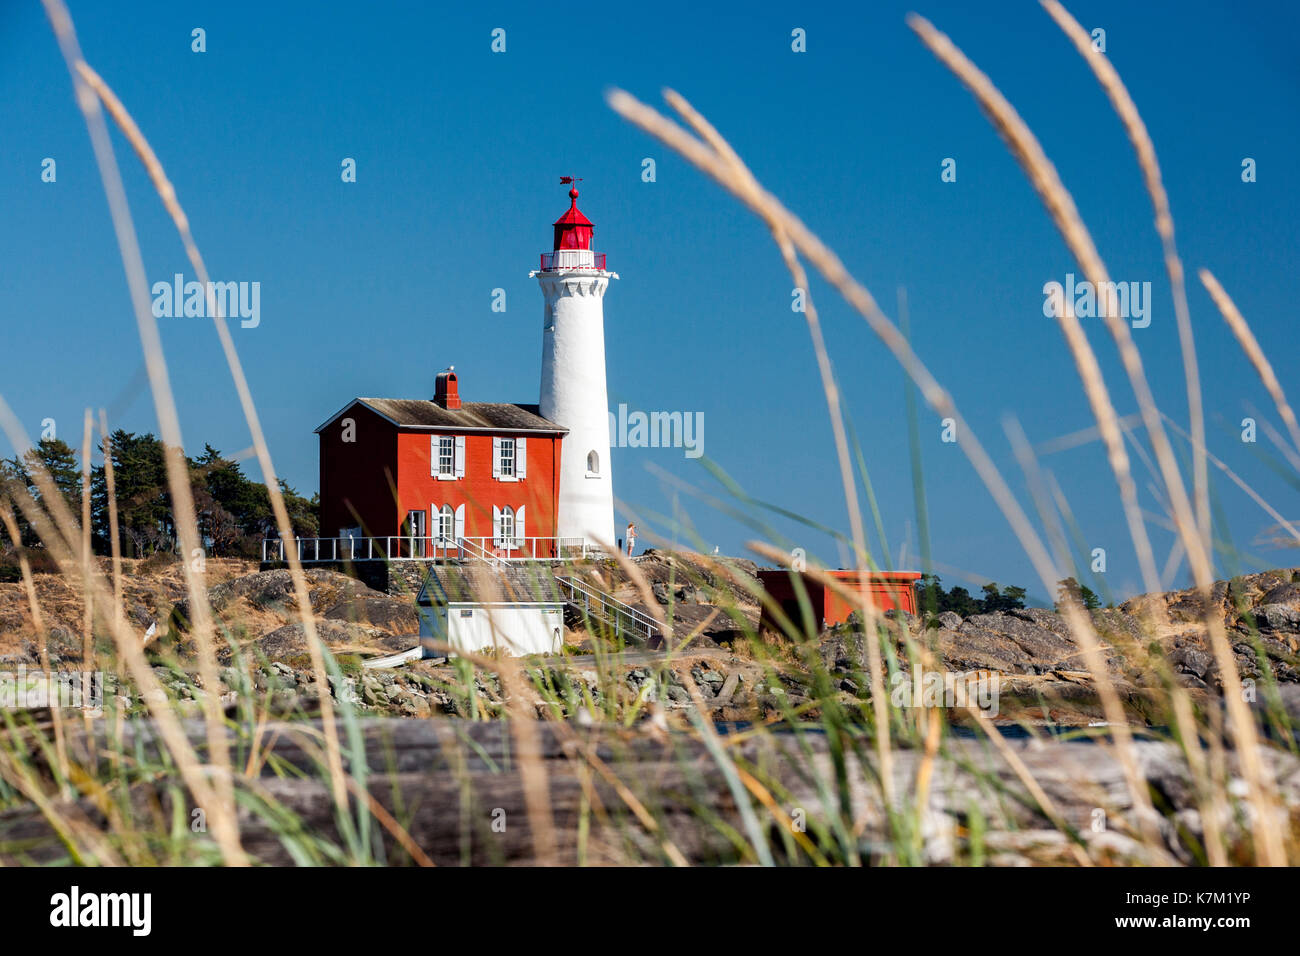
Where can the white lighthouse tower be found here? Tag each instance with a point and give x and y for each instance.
(573, 280)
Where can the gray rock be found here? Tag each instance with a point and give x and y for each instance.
(1041, 617)
(1277, 617)
(1191, 660)
(911, 620)
(1285, 592)
(1004, 643)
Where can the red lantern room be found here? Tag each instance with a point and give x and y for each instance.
(573, 229)
(572, 247)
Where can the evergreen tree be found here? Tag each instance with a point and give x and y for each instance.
(933, 599)
(1001, 599)
(60, 463)
(1070, 590)
(144, 515)
(304, 513)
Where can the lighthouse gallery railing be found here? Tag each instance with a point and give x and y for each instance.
(573, 259)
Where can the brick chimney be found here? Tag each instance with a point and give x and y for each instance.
(445, 392)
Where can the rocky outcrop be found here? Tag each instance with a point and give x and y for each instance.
(1008, 643)
(341, 637)
(1260, 614)
(1041, 670)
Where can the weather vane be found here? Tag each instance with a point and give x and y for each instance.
(570, 180)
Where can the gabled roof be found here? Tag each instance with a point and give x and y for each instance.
(423, 414)
(477, 584)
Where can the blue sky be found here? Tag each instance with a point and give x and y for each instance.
(369, 288)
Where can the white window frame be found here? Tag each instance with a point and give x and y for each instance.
(506, 528)
(444, 465)
(593, 473)
(507, 460)
(446, 525)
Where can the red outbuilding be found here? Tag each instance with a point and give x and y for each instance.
(440, 477)
(887, 591)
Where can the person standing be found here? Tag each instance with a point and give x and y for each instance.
(631, 538)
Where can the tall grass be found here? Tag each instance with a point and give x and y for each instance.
(807, 783)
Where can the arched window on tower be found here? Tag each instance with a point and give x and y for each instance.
(593, 463)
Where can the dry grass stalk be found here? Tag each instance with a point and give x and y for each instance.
(704, 727)
(571, 744)
(1146, 612)
(42, 636)
(523, 727)
(1275, 438)
(1043, 177)
(1213, 806)
(222, 808)
(936, 397)
(110, 492)
(1060, 205)
(1128, 113)
(833, 270)
(167, 194)
(1250, 345)
(1036, 791)
(129, 650)
(1254, 495)
(1024, 146)
(87, 635)
(85, 842)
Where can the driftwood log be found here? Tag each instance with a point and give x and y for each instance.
(630, 796)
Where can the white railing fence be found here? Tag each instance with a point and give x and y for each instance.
(429, 548)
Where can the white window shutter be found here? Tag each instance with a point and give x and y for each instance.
(496, 457)
(520, 533)
(460, 522)
(460, 456)
(521, 457)
(433, 456)
(496, 526)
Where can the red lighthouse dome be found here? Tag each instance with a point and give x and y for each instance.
(573, 230)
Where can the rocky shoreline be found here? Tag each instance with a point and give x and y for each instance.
(1036, 661)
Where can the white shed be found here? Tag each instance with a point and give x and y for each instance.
(506, 609)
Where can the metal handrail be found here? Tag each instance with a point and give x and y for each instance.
(468, 548)
(608, 608)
